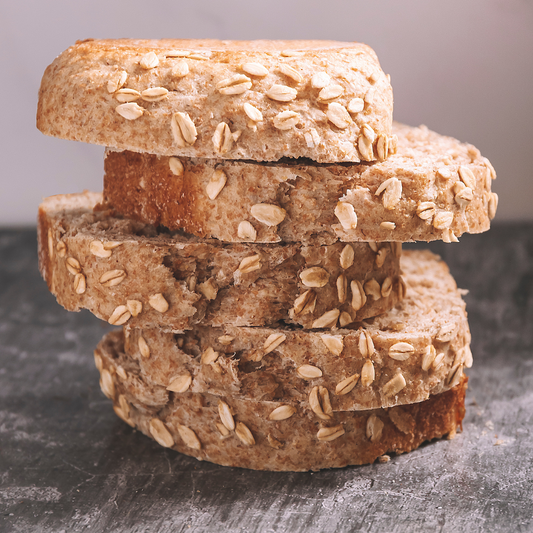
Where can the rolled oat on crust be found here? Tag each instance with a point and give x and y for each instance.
(261, 100)
(434, 187)
(405, 355)
(270, 435)
(128, 272)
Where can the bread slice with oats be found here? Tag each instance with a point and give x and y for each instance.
(434, 187)
(130, 272)
(261, 100)
(280, 434)
(415, 350)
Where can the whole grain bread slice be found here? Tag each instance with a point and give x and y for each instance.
(270, 435)
(415, 350)
(434, 187)
(125, 271)
(260, 100)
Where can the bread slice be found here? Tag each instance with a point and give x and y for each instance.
(413, 351)
(270, 435)
(129, 272)
(434, 187)
(261, 100)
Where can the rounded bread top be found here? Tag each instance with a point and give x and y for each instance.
(262, 100)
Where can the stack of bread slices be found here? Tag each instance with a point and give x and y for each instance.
(249, 241)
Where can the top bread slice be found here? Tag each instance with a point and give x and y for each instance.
(261, 100)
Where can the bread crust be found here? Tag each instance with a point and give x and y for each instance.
(210, 81)
(428, 166)
(99, 261)
(191, 423)
(430, 324)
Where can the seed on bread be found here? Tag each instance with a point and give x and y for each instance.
(226, 416)
(374, 428)
(246, 231)
(61, 249)
(368, 373)
(305, 303)
(144, 349)
(180, 383)
(467, 176)
(183, 129)
(73, 265)
(154, 94)
(338, 115)
(160, 433)
(117, 82)
(127, 95)
(111, 278)
(372, 289)
(237, 84)
(273, 341)
(106, 383)
(80, 283)
(320, 403)
(245, 435)
(492, 205)
(381, 256)
(443, 220)
(209, 289)
(358, 295)
(180, 69)
(216, 184)
(188, 436)
(365, 148)
(347, 257)
(346, 385)
(209, 356)
(158, 302)
(252, 112)
(119, 316)
(314, 277)
(386, 287)
(392, 192)
(249, 264)
(382, 147)
(395, 385)
(401, 351)
(334, 343)
(130, 111)
(426, 210)
(134, 307)
(345, 319)
(281, 93)
(268, 214)
(356, 105)
(309, 372)
(327, 320)
(255, 69)
(149, 61)
(283, 412)
(342, 288)
(368, 132)
(331, 433)
(320, 80)
(330, 92)
(345, 212)
(291, 72)
(428, 357)
(222, 138)
(286, 120)
(366, 344)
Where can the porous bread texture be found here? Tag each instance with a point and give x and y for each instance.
(434, 187)
(270, 435)
(325, 100)
(128, 272)
(415, 350)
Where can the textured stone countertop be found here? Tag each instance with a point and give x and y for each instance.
(67, 463)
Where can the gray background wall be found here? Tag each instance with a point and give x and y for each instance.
(462, 67)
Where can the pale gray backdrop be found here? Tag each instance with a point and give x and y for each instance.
(462, 67)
